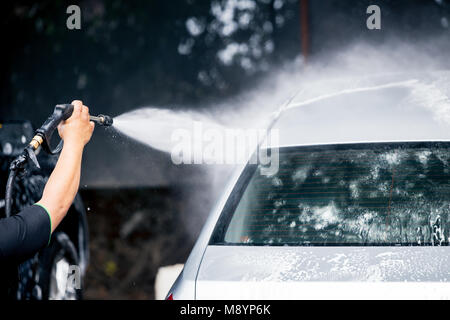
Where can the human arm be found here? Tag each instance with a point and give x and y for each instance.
(62, 186)
(25, 233)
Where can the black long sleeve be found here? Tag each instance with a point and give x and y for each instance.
(24, 234)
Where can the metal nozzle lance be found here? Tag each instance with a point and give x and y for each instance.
(102, 120)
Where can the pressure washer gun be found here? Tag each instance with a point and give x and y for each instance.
(42, 139)
(62, 112)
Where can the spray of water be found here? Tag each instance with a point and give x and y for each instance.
(418, 66)
(358, 67)
(154, 126)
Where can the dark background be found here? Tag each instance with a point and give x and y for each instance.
(170, 54)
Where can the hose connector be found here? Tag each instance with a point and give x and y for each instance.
(36, 141)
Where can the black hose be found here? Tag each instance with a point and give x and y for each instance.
(9, 190)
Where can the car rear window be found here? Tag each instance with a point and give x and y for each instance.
(359, 194)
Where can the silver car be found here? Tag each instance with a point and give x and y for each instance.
(358, 209)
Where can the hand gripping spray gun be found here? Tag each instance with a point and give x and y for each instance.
(42, 139)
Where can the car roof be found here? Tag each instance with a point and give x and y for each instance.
(385, 109)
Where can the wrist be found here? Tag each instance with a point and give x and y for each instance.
(74, 144)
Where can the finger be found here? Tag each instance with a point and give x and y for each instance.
(85, 112)
(92, 126)
(61, 129)
(77, 106)
(79, 102)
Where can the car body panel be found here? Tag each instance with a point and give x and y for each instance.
(282, 272)
(384, 115)
(184, 286)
